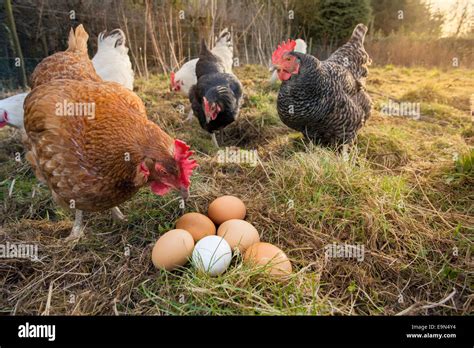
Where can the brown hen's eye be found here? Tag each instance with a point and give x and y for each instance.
(160, 169)
(288, 59)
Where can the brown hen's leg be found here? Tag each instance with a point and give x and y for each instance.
(117, 215)
(78, 227)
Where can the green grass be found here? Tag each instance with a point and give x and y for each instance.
(404, 191)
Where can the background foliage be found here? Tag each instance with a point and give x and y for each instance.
(164, 34)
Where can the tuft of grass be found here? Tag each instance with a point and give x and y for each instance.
(465, 164)
(425, 93)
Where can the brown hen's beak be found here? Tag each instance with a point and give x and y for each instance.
(184, 193)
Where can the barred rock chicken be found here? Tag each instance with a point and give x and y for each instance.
(91, 142)
(325, 100)
(216, 98)
(111, 62)
(185, 78)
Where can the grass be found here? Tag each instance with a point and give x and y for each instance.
(404, 192)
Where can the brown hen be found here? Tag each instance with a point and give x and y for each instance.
(91, 142)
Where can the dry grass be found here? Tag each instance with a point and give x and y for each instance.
(413, 50)
(399, 193)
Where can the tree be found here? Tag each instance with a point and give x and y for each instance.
(331, 22)
(387, 15)
(406, 15)
(16, 42)
(460, 15)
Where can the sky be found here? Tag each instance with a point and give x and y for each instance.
(447, 7)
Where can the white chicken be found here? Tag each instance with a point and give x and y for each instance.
(300, 47)
(111, 63)
(11, 111)
(185, 78)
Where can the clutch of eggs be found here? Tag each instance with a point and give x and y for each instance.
(213, 253)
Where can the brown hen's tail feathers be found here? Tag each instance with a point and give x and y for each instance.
(78, 40)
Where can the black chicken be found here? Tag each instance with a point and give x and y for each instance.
(216, 97)
(325, 100)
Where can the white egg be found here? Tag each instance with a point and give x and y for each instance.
(212, 254)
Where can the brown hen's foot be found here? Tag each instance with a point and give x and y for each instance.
(77, 229)
(117, 215)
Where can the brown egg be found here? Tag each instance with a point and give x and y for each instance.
(197, 224)
(172, 249)
(238, 233)
(265, 253)
(225, 208)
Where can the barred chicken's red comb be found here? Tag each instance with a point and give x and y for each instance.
(186, 165)
(283, 48)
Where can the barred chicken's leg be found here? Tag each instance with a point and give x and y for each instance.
(214, 140)
(78, 227)
(117, 215)
(345, 152)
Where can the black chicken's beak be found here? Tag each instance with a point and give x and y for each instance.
(184, 193)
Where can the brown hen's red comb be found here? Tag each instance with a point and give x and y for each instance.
(186, 165)
(283, 48)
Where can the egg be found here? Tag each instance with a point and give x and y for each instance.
(225, 208)
(238, 233)
(212, 255)
(172, 249)
(262, 254)
(198, 225)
